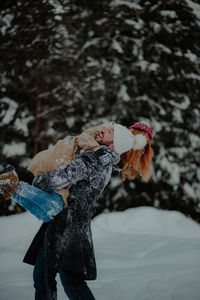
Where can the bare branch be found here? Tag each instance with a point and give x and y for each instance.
(47, 94)
(49, 111)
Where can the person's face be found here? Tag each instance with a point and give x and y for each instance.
(106, 136)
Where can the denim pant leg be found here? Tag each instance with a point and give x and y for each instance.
(45, 206)
(44, 279)
(75, 287)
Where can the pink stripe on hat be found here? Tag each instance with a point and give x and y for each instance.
(144, 126)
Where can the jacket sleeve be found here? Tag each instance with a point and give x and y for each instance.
(76, 171)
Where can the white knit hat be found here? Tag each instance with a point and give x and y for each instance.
(124, 140)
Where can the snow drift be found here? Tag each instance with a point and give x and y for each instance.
(142, 253)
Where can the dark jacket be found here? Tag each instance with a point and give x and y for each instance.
(68, 239)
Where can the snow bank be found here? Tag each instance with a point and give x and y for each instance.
(148, 221)
(142, 253)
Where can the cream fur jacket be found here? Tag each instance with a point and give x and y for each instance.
(63, 152)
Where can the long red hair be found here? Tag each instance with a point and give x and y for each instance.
(137, 162)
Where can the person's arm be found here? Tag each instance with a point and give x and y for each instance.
(77, 170)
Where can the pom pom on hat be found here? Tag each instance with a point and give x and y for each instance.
(144, 126)
(140, 141)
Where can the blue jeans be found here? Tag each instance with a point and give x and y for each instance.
(45, 206)
(45, 283)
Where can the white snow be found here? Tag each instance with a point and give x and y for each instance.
(191, 56)
(195, 9)
(172, 169)
(10, 112)
(130, 4)
(163, 47)
(14, 148)
(58, 18)
(116, 46)
(179, 151)
(99, 85)
(177, 115)
(58, 8)
(194, 140)
(22, 123)
(198, 174)
(25, 162)
(182, 105)
(168, 27)
(116, 69)
(92, 62)
(168, 13)
(146, 221)
(178, 53)
(192, 76)
(188, 189)
(85, 13)
(91, 42)
(155, 26)
(28, 64)
(145, 65)
(101, 21)
(70, 121)
(6, 21)
(4, 81)
(137, 25)
(123, 94)
(51, 131)
(142, 253)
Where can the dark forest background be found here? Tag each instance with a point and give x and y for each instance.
(68, 65)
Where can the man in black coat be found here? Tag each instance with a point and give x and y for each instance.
(65, 245)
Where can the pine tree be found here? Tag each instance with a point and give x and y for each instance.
(68, 66)
(29, 51)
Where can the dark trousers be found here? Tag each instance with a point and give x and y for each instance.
(45, 282)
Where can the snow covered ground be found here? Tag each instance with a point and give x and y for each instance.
(142, 253)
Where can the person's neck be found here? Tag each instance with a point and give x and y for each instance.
(111, 146)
